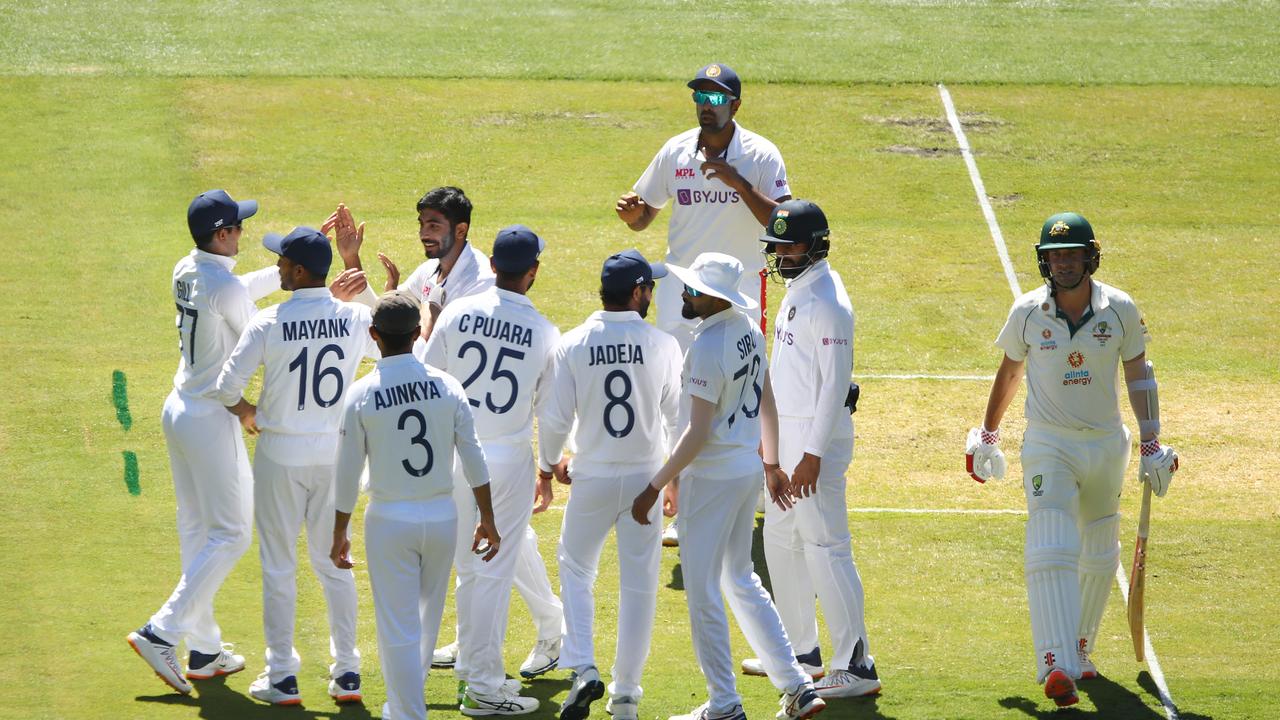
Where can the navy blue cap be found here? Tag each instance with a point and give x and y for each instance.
(306, 246)
(627, 269)
(516, 249)
(214, 209)
(721, 75)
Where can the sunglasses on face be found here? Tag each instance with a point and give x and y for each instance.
(715, 99)
(691, 292)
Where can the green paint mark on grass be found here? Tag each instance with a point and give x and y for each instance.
(131, 472)
(120, 396)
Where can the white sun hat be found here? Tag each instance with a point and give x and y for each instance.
(715, 274)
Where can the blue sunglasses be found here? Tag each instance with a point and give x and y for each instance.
(691, 292)
(714, 99)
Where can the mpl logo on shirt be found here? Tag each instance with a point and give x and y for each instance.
(684, 172)
(708, 197)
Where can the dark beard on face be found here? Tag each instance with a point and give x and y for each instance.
(644, 309)
(792, 272)
(687, 311)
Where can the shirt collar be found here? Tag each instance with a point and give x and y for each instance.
(810, 275)
(222, 260)
(465, 258)
(616, 315)
(514, 297)
(722, 316)
(306, 293)
(1098, 300)
(735, 143)
(397, 360)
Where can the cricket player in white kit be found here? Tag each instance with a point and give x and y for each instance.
(456, 269)
(808, 548)
(728, 395)
(725, 181)
(500, 347)
(407, 420)
(311, 346)
(619, 377)
(211, 477)
(1071, 335)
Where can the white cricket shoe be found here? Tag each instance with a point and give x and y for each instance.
(845, 683)
(445, 657)
(585, 690)
(703, 712)
(801, 704)
(504, 702)
(670, 536)
(542, 658)
(510, 686)
(284, 692)
(1088, 670)
(201, 666)
(160, 655)
(810, 663)
(346, 688)
(623, 707)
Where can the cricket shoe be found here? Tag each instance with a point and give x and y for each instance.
(510, 685)
(445, 657)
(346, 688)
(542, 658)
(623, 707)
(160, 655)
(284, 692)
(810, 663)
(671, 536)
(857, 681)
(202, 666)
(585, 690)
(1060, 688)
(801, 704)
(1088, 670)
(503, 702)
(703, 712)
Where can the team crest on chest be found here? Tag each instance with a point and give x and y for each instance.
(1101, 333)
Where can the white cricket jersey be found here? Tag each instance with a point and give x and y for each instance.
(1072, 376)
(407, 419)
(812, 359)
(621, 377)
(708, 215)
(214, 306)
(311, 346)
(469, 276)
(725, 366)
(499, 346)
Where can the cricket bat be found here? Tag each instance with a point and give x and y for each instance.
(1138, 575)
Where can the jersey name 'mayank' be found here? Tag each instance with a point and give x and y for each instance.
(416, 391)
(616, 354)
(496, 328)
(316, 329)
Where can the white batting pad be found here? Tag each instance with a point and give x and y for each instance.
(1053, 591)
(1099, 556)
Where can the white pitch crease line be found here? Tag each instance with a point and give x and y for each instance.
(1153, 663)
(927, 377)
(996, 236)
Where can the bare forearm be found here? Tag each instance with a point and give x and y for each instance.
(760, 205)
(1002, 392)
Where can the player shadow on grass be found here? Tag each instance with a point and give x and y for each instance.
(216, 701)
(757, 559)
(1112, 700)
(544, 688)
(859, 708)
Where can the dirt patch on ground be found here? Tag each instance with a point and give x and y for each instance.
(924, 152)
(968, 120)
(1004, 200)
(556, 116)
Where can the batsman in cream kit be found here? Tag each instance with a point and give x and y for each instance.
(1071, 335)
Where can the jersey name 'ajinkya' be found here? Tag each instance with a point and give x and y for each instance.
(616, 354)
(495, 328)
(315, 329)
(416, 391)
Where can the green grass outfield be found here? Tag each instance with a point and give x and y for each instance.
(1158, 122)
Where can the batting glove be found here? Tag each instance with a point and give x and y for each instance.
(1159, 463)
(982, 456)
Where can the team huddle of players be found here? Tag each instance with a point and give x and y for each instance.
(441, 436)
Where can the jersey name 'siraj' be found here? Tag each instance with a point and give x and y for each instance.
(616, 354)
(315, 329)
(416, 391)
(496, 328)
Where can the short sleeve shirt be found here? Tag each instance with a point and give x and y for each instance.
(1073, 372)
(708, 215)
(725, 366)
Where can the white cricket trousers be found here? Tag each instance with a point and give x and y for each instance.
(809, 553)
(596, 506)
(484, 588)
(213, 487)
(409, 552)
(717, 518)
(1072, 480)
(285, 497)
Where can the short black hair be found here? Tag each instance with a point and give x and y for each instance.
(204, 241)
(616, 297)
(449, 201)
(399, 342)
(503, 277)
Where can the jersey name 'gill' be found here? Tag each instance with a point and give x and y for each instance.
(496, 328)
